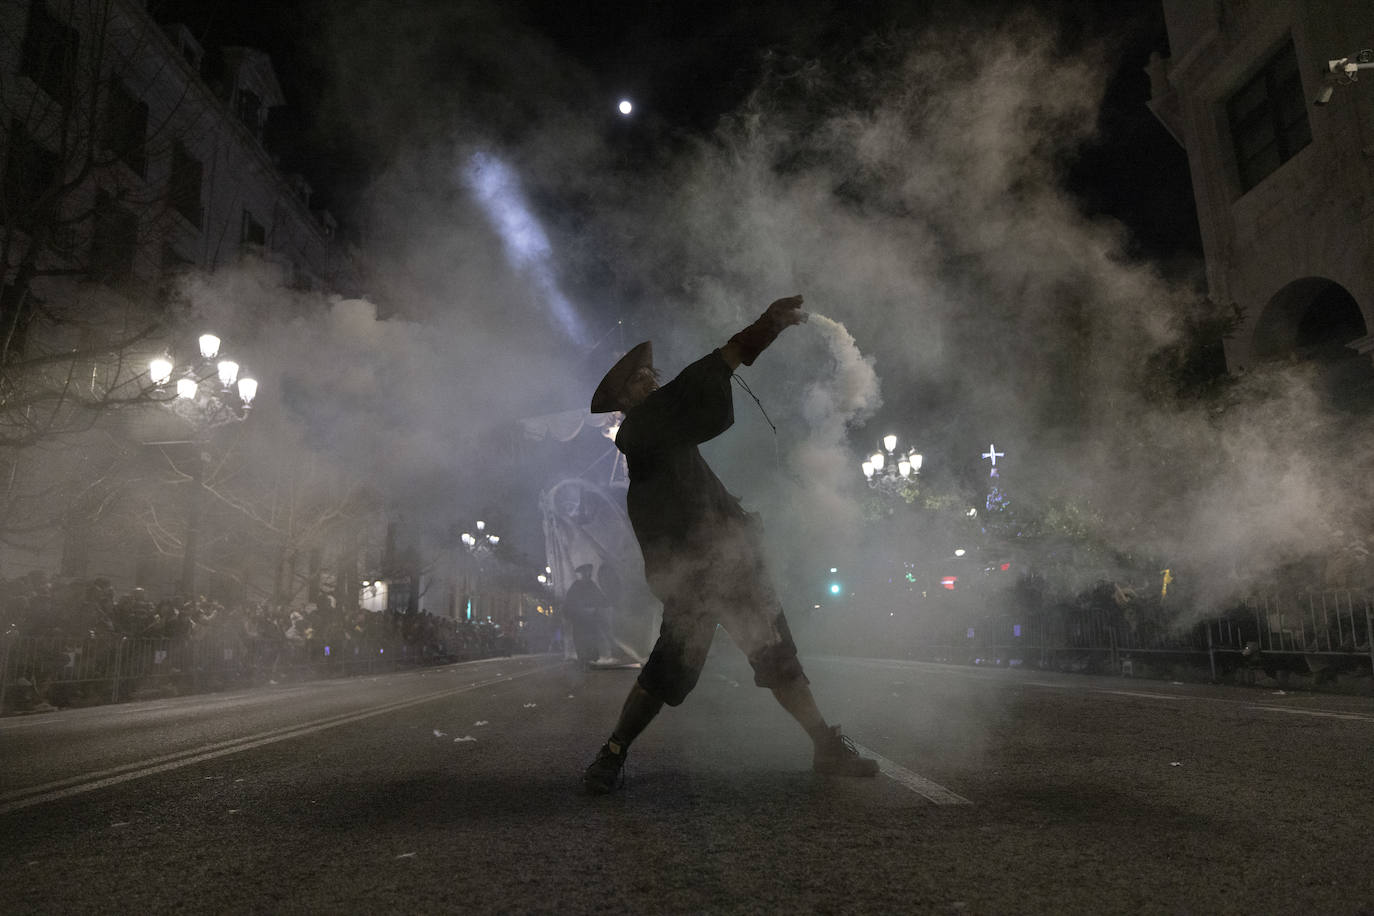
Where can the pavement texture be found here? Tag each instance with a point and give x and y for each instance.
(458, 790)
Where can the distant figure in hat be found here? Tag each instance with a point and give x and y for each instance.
(586, 606)
(703, 556)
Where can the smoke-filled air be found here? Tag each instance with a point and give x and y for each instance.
(518, 238)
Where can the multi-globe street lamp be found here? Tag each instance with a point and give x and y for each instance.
(205, 406)
(890, 470)
(482, 541)
(196, 398)
(480, 545)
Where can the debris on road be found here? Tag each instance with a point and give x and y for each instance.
(464, 738)
(531, 705)
(481, 722)
(439, 734)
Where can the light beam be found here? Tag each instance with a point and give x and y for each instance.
(498, 192)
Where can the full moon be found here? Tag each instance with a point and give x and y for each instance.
(626, 107)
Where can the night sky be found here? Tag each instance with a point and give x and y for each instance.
(686, 65)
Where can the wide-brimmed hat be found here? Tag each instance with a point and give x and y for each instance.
(607, 396)
(585, 568)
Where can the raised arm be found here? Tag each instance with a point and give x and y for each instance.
(746, 346)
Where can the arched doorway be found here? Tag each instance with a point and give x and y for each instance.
(1311, 318)
(1314, 321)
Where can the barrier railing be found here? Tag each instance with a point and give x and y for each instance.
(1307, 632)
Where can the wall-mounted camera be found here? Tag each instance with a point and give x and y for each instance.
(1342, 71)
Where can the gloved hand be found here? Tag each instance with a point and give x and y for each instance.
(754, 339)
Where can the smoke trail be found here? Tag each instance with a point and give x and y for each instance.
(851, 396)
(814, 506)
(498, 191)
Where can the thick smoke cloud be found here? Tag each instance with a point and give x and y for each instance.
(911, 188)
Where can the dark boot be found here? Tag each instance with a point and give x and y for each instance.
(605, 773)
(836, 755)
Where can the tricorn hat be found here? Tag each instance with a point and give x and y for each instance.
(607, 396)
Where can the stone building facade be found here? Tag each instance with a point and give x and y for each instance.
(129, 155)
(1282, 160)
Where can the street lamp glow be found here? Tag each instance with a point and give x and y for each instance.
(481, 525)
(889, 442)
(160, 370)
(494, 539)
(877, 459)
(543, 579)
(186, 388)
(469, 539)
(248, 389)
(868, 469)
(915, 459)
(209, 346)
(228, 371)
(625, 106)
(904, 467)
(959, 551)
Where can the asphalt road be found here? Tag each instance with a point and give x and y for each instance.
(457, 790)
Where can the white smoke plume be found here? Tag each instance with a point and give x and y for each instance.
(912, 190)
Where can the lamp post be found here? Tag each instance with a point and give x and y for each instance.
(480, 545)
(196, 398)
(889, 470)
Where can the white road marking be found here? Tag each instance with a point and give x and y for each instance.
(1141, 693)
(63, 788)
(923, 787)
(1007, 677)
(1358, 717)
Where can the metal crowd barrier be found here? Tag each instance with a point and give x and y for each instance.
(1307, 632)
(70, 671)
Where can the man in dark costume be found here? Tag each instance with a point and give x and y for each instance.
(586, 605)
(702, 553)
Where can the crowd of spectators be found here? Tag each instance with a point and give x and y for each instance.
(61, 624)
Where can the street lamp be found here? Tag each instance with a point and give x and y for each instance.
(889, 470)
(205, 406)
(483, 541)
(480, 545)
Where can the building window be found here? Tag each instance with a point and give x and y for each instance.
(30, 172)
(114, 241)
(252, 232)
(126, 127)
(185, 183)
(49, 55)
(1268, 118)
(250, 110)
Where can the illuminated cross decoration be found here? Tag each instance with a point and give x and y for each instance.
(992, 455)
